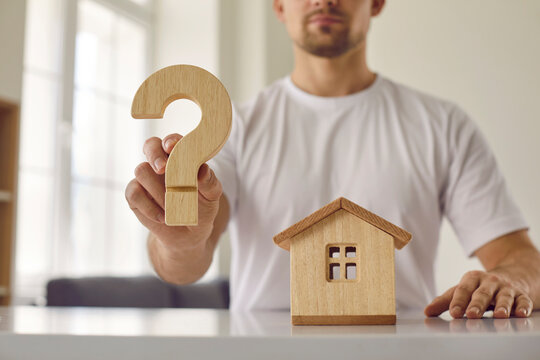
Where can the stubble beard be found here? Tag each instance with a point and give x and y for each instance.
(316, 42)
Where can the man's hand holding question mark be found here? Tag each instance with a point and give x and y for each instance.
(146, 195)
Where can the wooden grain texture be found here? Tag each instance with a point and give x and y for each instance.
(9, 135)
(401, 236)
(198, 85)
(372, 293)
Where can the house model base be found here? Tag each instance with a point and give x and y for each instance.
(342, 266)
(344, 320)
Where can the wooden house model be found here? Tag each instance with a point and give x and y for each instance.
(342, 266)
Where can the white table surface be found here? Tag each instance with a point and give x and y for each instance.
(99, 333)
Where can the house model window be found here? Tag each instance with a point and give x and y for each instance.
(341, 263)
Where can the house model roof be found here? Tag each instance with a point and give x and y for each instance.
(401, 237)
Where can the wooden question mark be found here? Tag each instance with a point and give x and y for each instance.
(152, 98)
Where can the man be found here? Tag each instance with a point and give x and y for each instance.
(334, 128)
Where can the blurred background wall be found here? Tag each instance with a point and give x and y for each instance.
(483, 55)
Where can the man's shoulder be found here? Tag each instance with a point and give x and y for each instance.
(407, 95)
(418, 106)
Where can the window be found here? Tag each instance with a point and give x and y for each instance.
(110, 64)
(350, 251)
(84, 60)
(341, 257)
(334, 272)
(350, 273)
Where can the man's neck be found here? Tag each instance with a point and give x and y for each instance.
(338, 76)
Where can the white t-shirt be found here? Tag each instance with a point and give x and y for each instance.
(406, 156)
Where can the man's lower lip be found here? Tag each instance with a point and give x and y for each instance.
(325, 21)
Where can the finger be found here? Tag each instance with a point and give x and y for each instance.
(153, 183)
(463, 293)
(503, 303)
(482, 297)
(138, 199)
(440, 304)
(210, 191)
(524, 306)
(169, 142)
(155, 155)
(209, 185)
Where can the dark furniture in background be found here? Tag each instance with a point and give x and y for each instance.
(140, 291)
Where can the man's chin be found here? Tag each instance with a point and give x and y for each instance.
(326, 52)
(328, 49)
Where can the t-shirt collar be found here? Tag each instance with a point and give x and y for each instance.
(330, 101)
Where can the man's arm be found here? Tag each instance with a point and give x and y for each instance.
(179, 254)
(510, 285)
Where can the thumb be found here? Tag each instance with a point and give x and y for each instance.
(209, 185)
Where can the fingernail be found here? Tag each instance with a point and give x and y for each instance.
(474, 310)
(204, 172)
(169, 143)
(503, 310)
(159, 164)
(456, 309)
(523, 312)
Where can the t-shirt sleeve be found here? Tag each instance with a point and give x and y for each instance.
(476, 199)
(224, 163)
